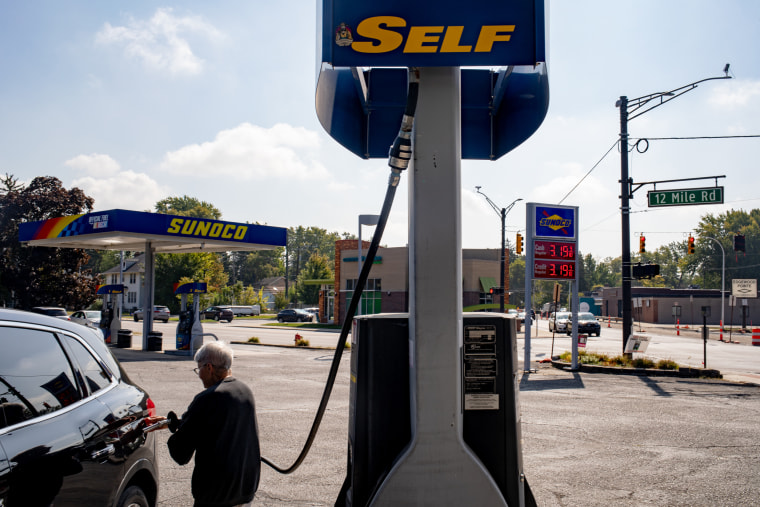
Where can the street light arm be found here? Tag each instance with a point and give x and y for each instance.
(637, 103)
(489, 201)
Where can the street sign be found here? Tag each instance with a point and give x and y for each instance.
(744, 288)
(685, 197)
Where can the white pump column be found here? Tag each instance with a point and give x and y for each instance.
(438, 469)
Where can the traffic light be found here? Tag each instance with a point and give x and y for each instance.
(642, 244)
(648, 270)
(497, 290)
(739, 245)
(518, 248)
(690, 246)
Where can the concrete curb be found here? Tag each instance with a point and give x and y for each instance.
(643, 372)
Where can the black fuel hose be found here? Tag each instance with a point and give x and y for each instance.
(398, 159)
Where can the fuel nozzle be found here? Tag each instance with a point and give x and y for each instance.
(400, 153)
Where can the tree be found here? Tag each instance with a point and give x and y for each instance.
(34, 276)
(303, 242)
(252, 267)
(189, 267)
(188, 207)
(317, 268)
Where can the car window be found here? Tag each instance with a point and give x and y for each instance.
(586, 316)
(35, 375)
(94, 376)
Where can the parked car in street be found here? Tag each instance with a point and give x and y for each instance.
(52, 311)
(294, 315)
(314, 311)
(246, 310)
(89, 318)
(159, 313)
(559, 321)
(71, 421)
(218, 313)
(587, 324)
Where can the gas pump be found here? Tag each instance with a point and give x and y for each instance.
(109, 324)
(189, 329)
(106, 318)
(379, 406)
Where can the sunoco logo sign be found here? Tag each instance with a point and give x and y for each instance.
(555, 222)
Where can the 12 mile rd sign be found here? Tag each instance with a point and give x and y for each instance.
(682, 197)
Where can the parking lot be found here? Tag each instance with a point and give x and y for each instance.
(588, 439)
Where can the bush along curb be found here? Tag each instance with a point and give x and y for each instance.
(644, 372)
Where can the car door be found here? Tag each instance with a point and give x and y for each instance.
(57, 439)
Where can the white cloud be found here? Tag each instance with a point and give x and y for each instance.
(161, 42)
(95, 164)
(125, 190)
(735, 93)
(249, 152)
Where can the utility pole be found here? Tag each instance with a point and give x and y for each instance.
(630, 109)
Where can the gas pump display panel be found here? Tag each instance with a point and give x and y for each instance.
(426, 33)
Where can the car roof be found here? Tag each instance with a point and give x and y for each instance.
(93, 337)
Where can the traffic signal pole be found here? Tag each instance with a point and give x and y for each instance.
(638, 106)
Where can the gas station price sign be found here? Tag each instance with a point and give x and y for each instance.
(554, 250)
(554, 270)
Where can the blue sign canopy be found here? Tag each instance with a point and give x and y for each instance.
(432, 33)
(130, 230)
(362, 108)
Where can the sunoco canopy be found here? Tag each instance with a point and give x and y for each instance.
(132, 230)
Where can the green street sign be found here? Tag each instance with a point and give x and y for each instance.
(685, 197)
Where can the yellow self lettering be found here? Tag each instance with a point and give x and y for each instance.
(202, 229)
(493, 33)
(240, 232)
(226, 234)
(419, 35)
(451, 41)
(174, 225)
(372, 28)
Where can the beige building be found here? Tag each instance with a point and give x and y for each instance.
(387, 289)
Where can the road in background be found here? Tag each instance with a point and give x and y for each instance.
(736, 361)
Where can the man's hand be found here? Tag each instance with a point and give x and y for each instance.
(155, 423)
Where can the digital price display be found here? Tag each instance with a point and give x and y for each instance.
(555, 270)
(554, 250)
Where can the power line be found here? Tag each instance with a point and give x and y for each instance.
(692, 138)
(589, 171)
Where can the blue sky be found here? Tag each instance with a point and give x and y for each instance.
(137, 101)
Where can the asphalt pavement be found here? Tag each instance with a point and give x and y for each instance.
(588, 439)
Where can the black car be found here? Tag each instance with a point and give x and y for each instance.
(218, 313)
(71, 421)
(587, 324)
(294, 315)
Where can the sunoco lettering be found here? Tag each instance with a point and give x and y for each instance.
(555, 223)
(424, 39)
(205, 229)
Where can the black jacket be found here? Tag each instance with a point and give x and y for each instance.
(220, 428)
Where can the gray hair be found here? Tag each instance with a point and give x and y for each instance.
(219, 354)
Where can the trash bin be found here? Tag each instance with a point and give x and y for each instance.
(155, 340)
(124, 339)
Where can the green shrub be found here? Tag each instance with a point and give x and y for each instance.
(301, 342)
(667, 364)
(254, 339)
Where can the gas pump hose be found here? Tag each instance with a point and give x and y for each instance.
(399, 156)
